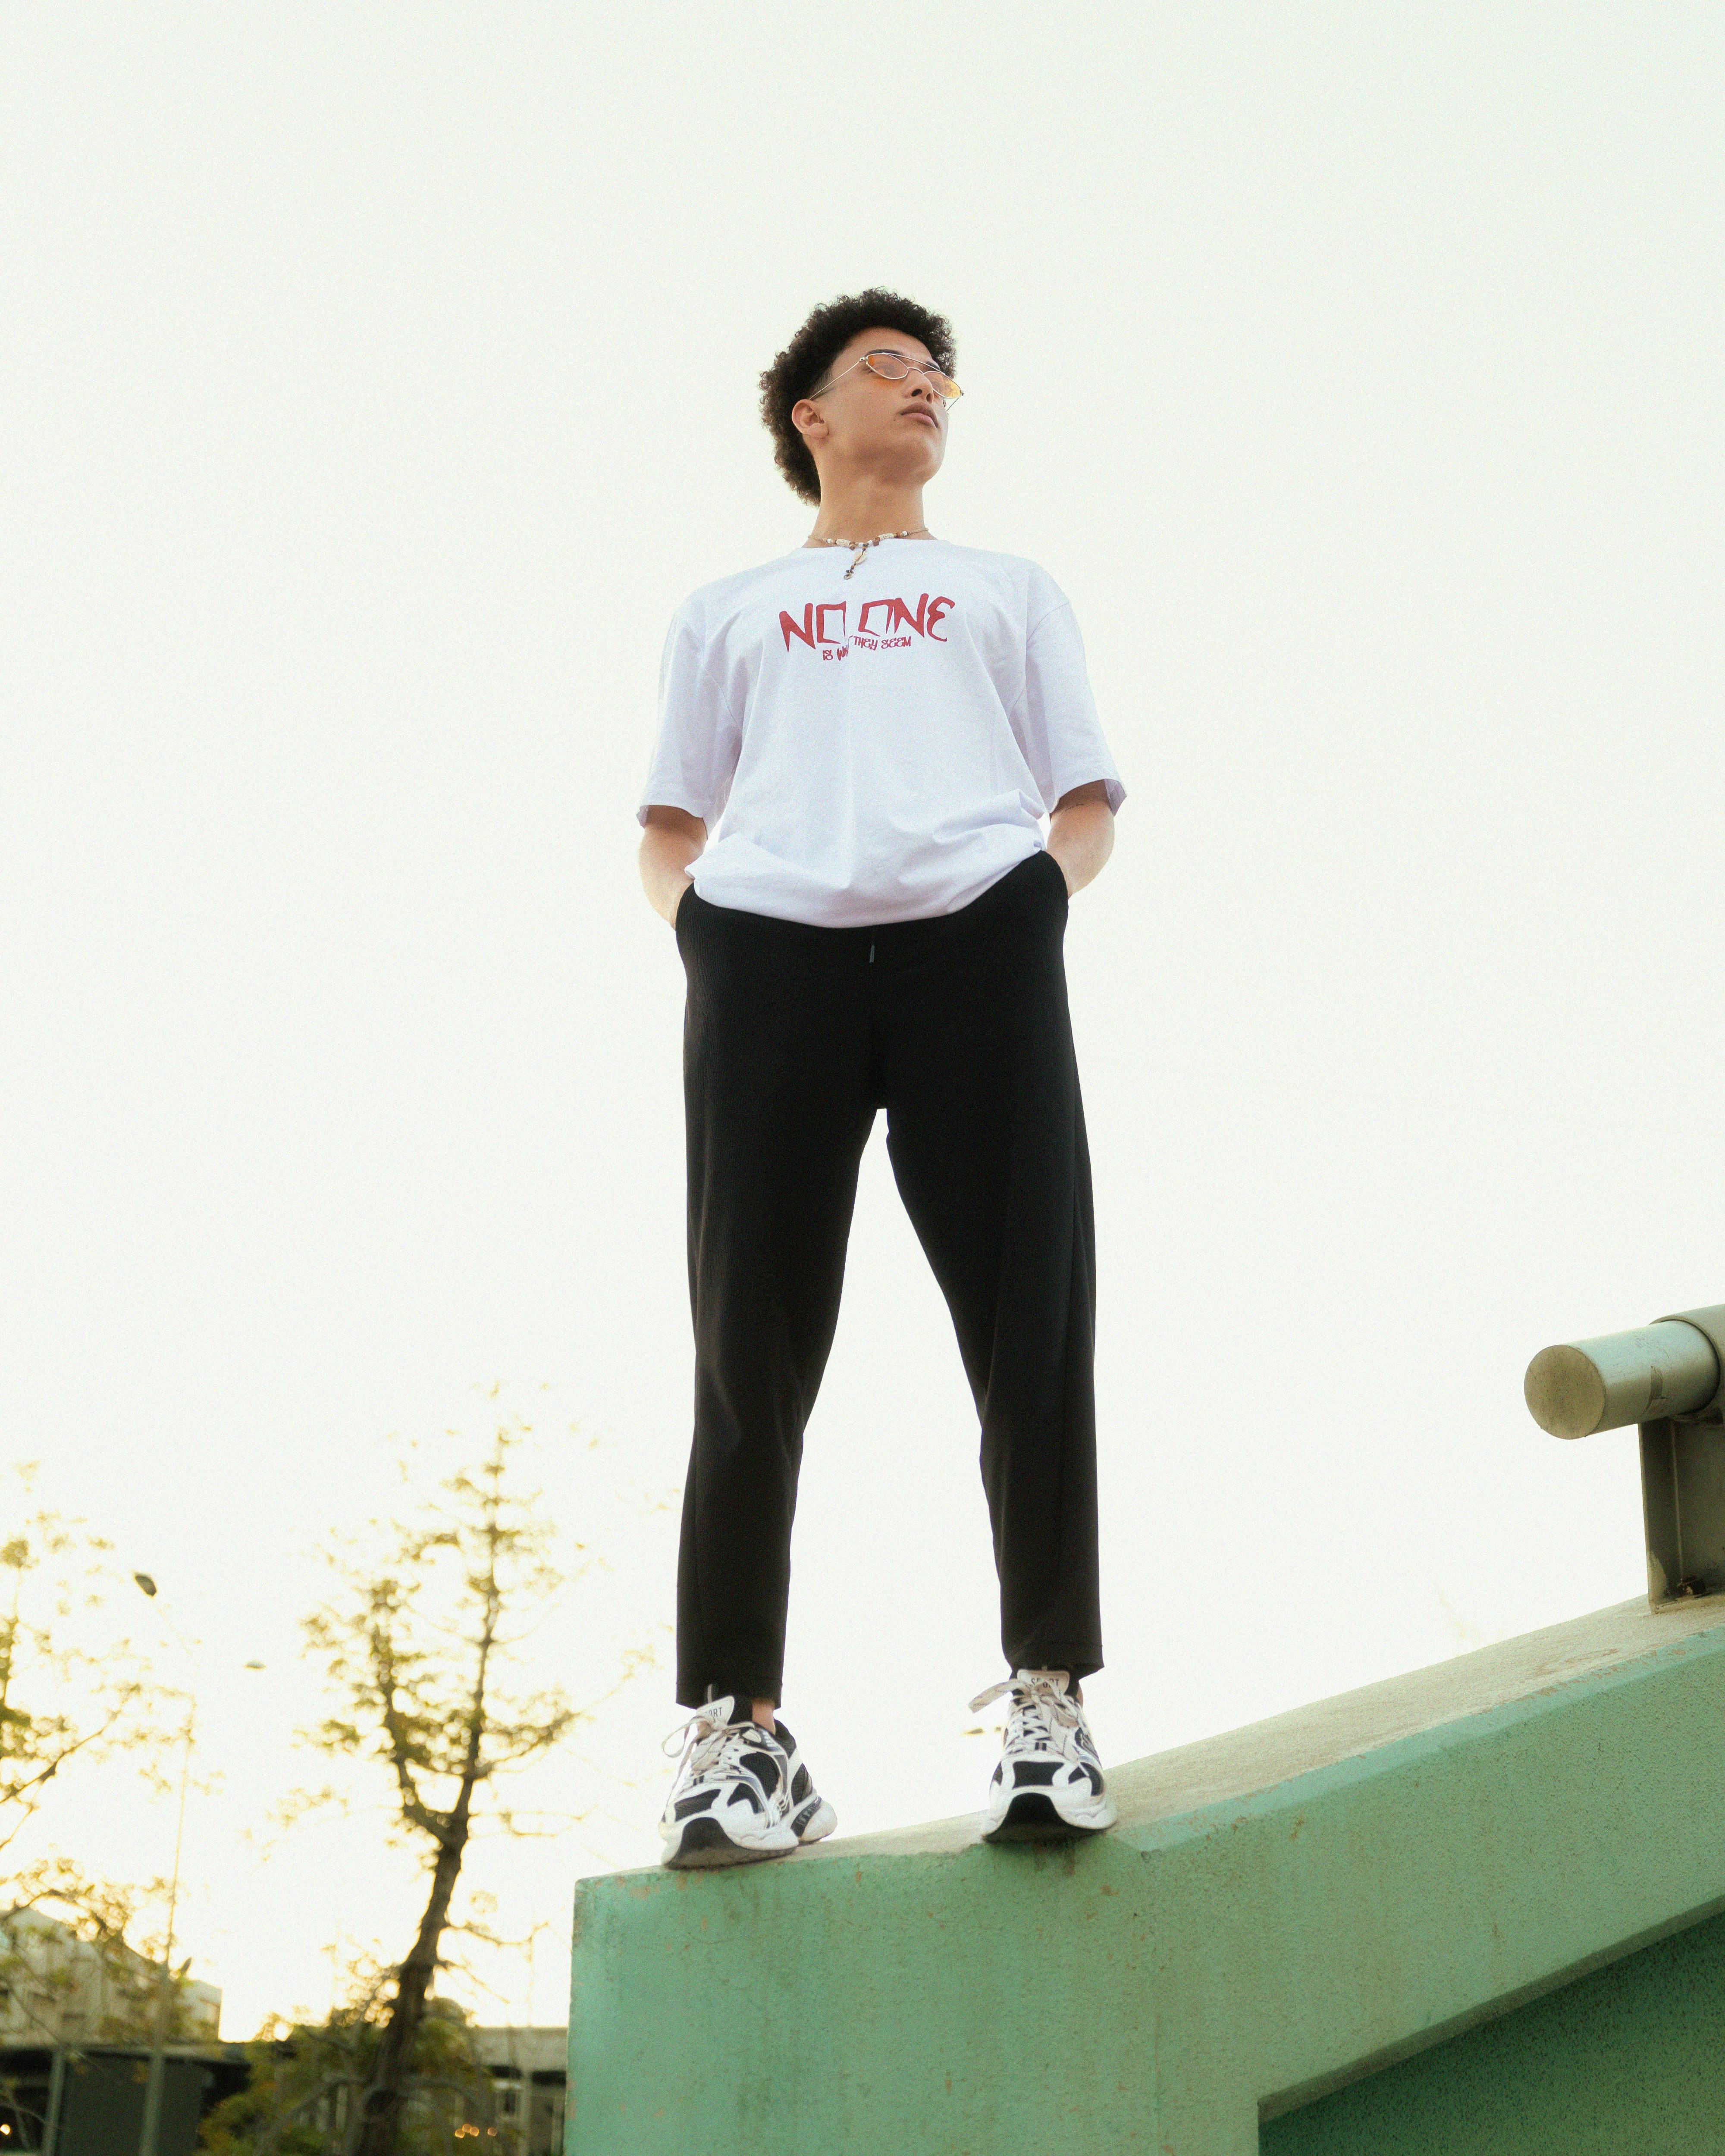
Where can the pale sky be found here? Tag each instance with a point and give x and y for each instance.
(379, 378)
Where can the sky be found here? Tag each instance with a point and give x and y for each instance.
(379, 380)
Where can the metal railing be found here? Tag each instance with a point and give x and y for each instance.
(1668, 1379)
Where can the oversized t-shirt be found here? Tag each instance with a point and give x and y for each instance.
(877, 747)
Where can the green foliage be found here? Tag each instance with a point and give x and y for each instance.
(80, 1955)
(306, 2075)
(418, 1641)
(73, 1688)
(419, 1645)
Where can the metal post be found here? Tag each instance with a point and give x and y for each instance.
(149, 2139)
(56, 2094)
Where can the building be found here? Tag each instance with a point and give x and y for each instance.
(56, 1989)
(74, 2054)
(76, 2022)
(529, 2070)
(88, 2099)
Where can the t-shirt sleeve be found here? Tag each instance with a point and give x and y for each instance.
(1055, 719)
(695, 754)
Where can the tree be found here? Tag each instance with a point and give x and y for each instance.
(75, 1692)
(74, 1689)
(306, 2079)
(420, 1644)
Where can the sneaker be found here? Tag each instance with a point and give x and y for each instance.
(1049, 1785)
(738, 1791)
(812, 1817)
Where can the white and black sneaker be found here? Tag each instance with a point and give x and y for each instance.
(812, 1817)
(738, 1791)
(1048, 1784)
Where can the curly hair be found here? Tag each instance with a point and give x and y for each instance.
(809, 354)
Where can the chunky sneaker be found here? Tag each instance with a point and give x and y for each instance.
(740, 1793)
(1048, 1786)
(811, 1815)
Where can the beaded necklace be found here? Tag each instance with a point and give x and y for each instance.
(862, 546)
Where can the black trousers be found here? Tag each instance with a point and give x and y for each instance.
(794, 1037)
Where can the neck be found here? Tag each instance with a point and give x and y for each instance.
(862, 506)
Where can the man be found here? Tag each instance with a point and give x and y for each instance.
(877, 723)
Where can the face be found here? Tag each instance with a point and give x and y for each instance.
(896, 428)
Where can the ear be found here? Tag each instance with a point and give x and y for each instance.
(806, 418)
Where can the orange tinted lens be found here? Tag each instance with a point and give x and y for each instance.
(887, 365)
(944, 385)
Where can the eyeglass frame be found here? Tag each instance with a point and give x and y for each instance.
(886, 352)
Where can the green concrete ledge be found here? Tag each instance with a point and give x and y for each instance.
(1280, 1911)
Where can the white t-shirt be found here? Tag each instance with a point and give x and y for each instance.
(875, 749)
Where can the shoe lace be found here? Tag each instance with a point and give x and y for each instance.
(1039, 1699)
(711, 1748)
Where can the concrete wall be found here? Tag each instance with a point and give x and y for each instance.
(1281, 1912)
(1623, 2063)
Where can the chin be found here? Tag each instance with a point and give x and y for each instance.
(926, 465)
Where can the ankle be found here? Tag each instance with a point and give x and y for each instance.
(764, 1713)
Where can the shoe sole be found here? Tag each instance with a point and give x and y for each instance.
(1032, 1817)
(705, 1846)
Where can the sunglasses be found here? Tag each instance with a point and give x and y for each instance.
(893, 367)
